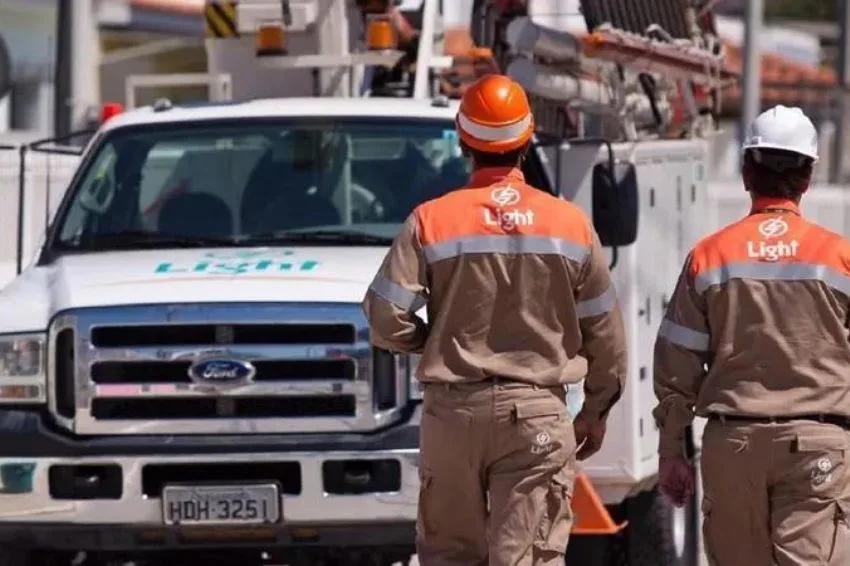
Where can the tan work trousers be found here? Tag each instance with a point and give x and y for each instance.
(497, 466)
(776, 494)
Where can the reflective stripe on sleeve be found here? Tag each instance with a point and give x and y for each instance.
(394, 293)
(773, 272)
(684, 336)
(493, 133)
(505, 245)
(598, 306)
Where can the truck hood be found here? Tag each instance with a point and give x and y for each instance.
(267, 274)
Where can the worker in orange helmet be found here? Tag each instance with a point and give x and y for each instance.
(519, 304)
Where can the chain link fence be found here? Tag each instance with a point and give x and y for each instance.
(33, 178)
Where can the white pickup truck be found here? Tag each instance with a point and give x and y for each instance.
(185, 364)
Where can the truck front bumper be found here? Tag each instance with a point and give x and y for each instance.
(105, 493)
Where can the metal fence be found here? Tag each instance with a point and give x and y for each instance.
(33, 178)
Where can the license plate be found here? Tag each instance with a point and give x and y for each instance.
(221, 504)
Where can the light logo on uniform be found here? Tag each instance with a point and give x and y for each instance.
(509, 219)
(543, 443)
(822, 471)
(505, 196)
(773, 227)
(771, 248)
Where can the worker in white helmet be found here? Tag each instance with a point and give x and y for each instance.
(756, 340)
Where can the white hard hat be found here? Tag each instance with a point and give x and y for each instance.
(783, 128)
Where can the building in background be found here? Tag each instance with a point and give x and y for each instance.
(27, 29)
(28, 32)
(151, 37)
(166, 36)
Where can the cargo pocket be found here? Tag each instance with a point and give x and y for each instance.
(819, 464)
(839, 551)
(543, 424)
(556, 524)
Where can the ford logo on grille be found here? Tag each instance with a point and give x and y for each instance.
(221, 372)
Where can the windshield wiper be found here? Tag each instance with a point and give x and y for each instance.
(330, 236)
(130, 239)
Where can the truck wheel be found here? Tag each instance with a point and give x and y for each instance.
(660, 534)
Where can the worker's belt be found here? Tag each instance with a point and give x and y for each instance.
(504, 380)
(492, 380)
(837, 420)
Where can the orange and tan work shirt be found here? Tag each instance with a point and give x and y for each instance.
(757, 326)
(516, 285)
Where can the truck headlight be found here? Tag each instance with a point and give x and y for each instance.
(22, 368)
(415, 386)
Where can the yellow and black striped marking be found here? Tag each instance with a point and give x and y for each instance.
(221, 19)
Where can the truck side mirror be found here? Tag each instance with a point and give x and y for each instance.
(615, 203)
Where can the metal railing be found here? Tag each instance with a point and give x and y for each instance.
(33, 178)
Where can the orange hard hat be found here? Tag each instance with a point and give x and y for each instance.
(494, 115)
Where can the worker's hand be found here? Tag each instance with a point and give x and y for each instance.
(589, 435)
(676, 477)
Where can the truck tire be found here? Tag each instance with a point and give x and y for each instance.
(660, 534)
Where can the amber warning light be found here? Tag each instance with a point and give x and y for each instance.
(270, 39)
(380, 34)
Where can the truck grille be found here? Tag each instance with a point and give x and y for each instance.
(125, 370)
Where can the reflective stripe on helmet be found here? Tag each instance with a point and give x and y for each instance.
(493, 133)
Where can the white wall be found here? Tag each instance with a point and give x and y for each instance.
(828, 205)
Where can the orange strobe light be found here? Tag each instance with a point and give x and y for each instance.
(270, 39)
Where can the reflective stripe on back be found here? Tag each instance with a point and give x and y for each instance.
(505, 244)
(507, 217)
(773, 272)
(772, 246)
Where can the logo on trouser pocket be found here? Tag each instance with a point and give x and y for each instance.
(542, 443)
(822, 472)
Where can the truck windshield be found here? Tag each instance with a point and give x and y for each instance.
(251, 182)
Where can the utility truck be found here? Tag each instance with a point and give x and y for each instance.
(184, 364)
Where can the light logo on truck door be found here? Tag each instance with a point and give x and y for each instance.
(240, 262)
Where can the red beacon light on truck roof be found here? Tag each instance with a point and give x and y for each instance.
(110, 109)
